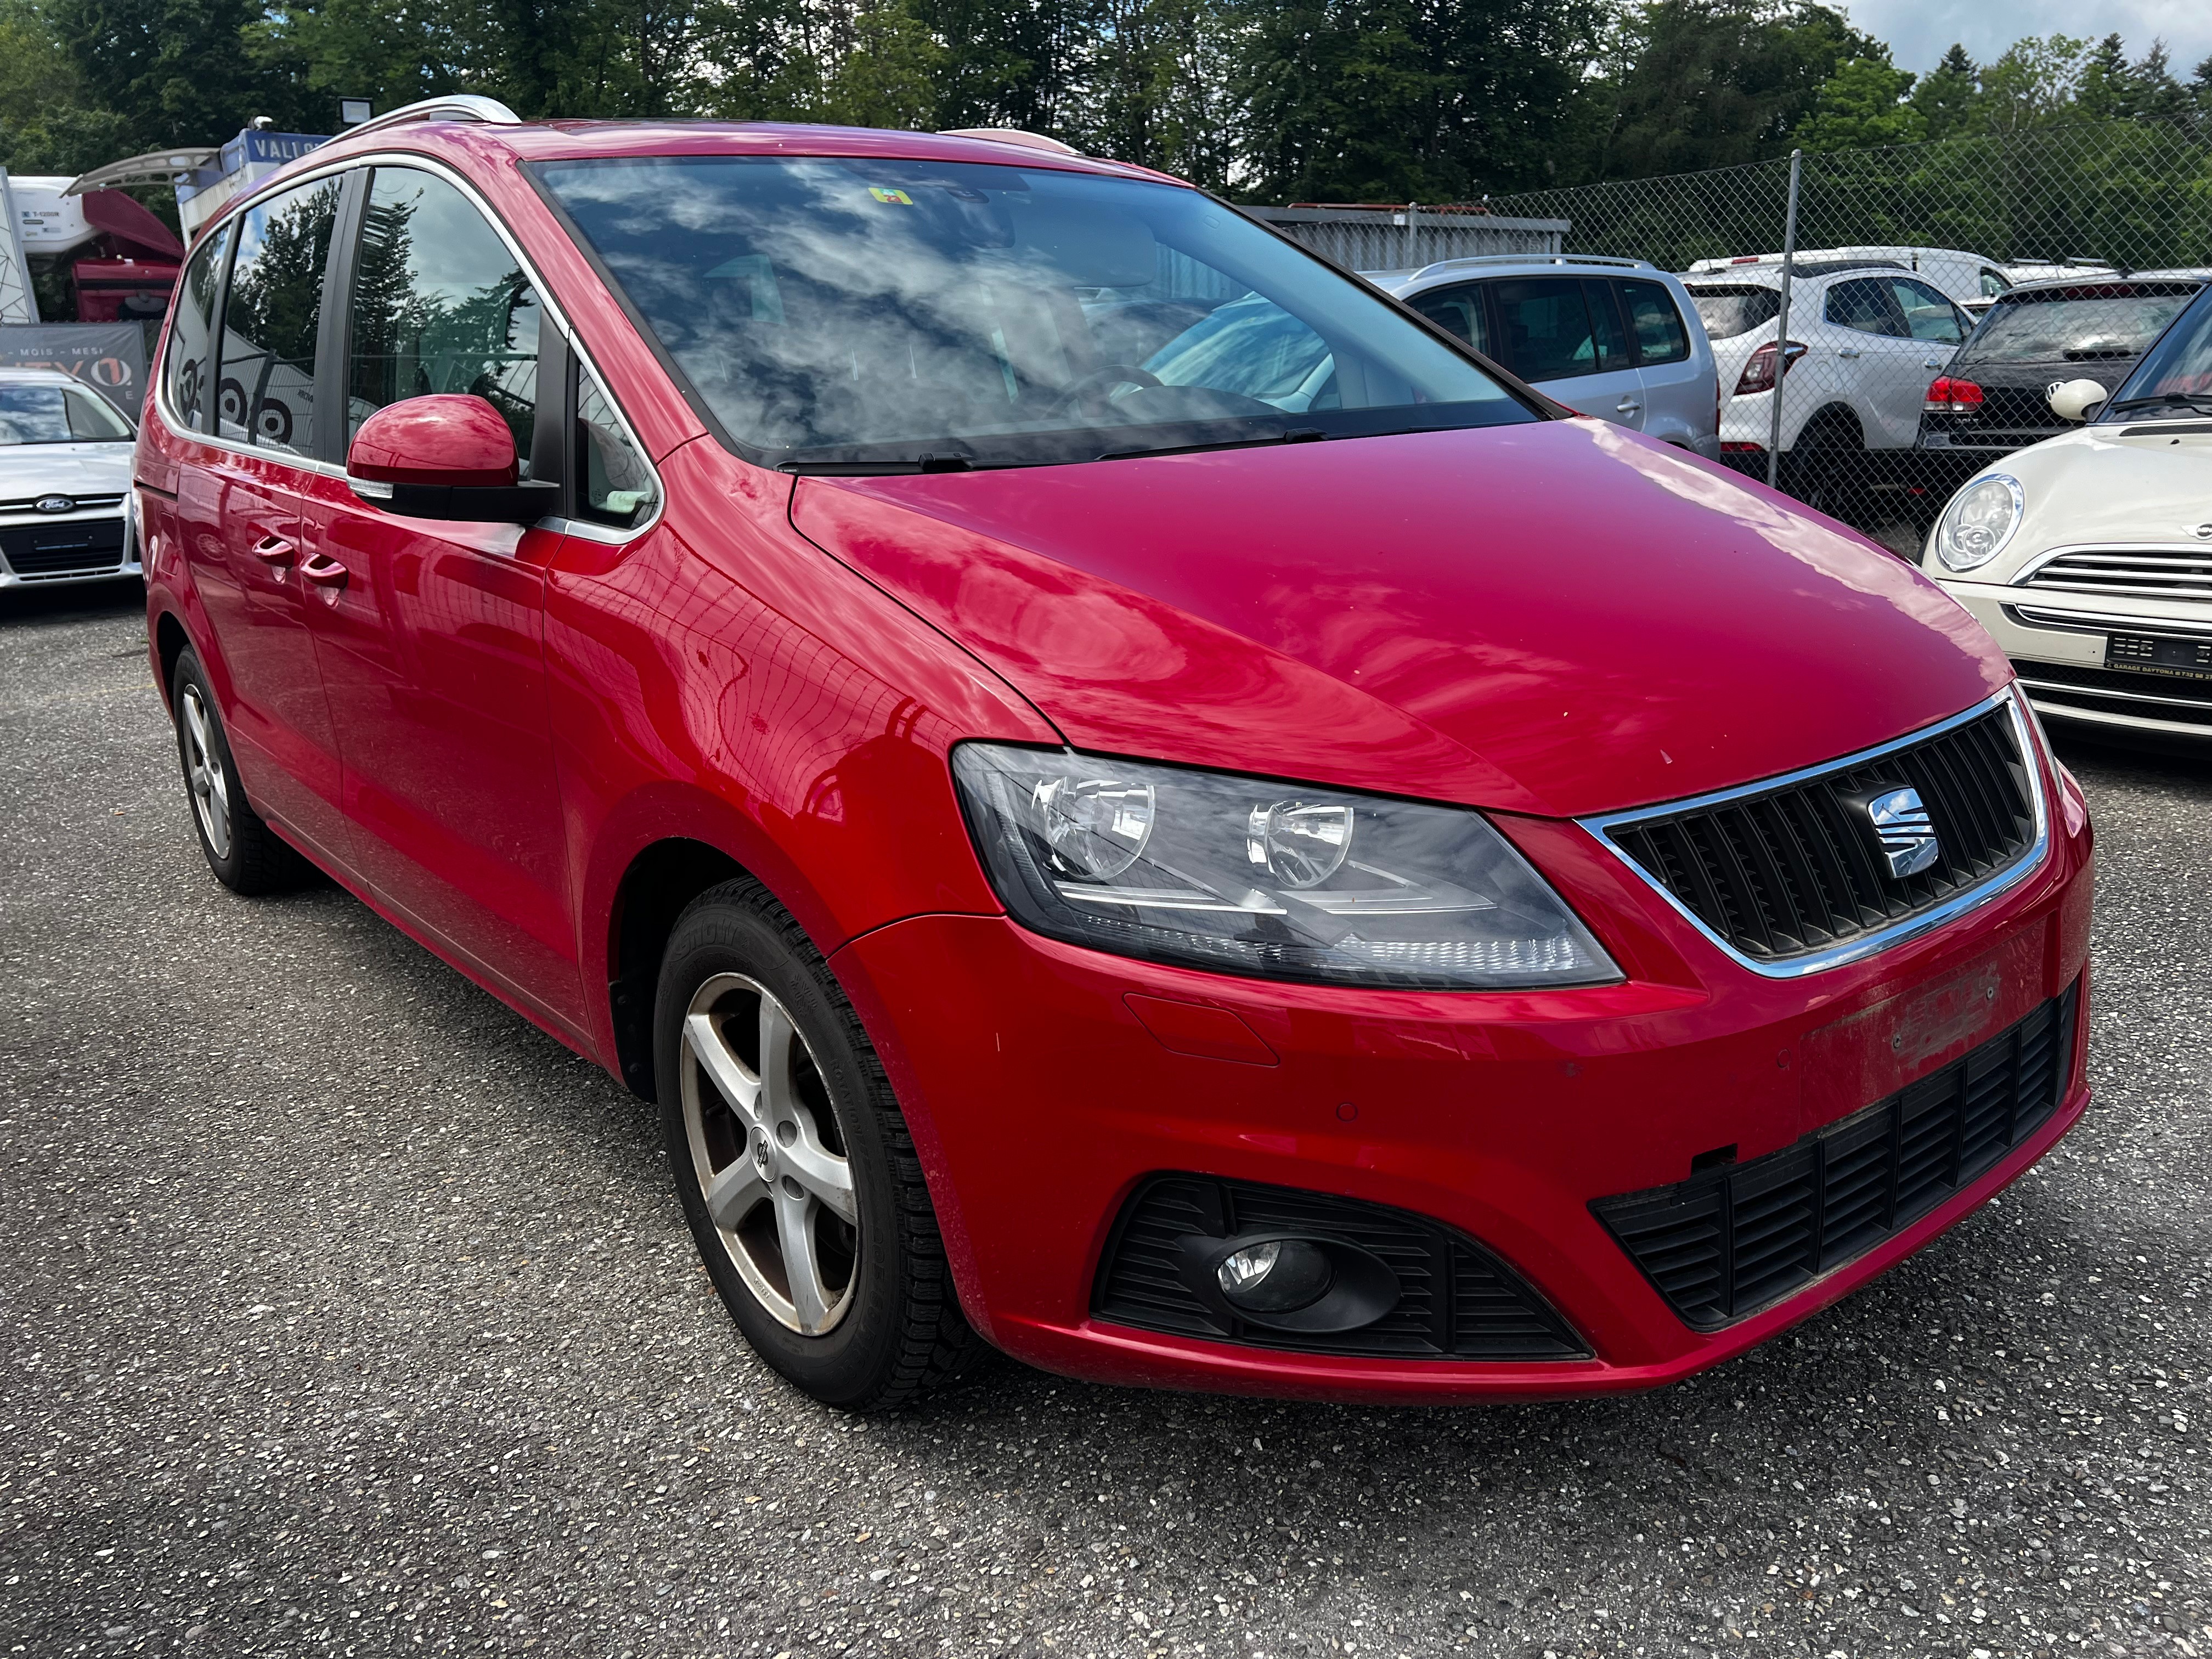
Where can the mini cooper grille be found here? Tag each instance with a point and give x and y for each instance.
(2146, 573)
(1798, 869)
(1456, 1300)
(1725, 1244)
(2041, 677)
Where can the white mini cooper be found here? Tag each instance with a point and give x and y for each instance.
(2089, 555)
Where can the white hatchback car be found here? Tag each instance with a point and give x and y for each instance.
(1866, 337)
(1617, 338)
(65, 505)
(2089, 555)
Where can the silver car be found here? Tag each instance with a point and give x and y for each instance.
(1617, 338)
(65, 505)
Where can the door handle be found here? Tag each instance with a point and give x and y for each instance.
(274, 549)
(1847, 351)
(1933, 362)
(325, 571)
(1626, 406)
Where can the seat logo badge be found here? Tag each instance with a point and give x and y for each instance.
(55, 504)
(1907, 833)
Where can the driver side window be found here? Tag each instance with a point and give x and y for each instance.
(440, 304)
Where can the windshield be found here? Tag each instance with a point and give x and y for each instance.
(1729, 312)
(2099, 322)
(2179, 367)
(57, 414)
(868, 312)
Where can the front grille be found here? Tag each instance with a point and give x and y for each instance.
(1456, 1300)
(84, 503)
(1797, 868)
(2162, 688)
(66, 547)
(2148, 573)
(1729, 1241)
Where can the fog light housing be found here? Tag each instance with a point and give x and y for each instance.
(1301, 1282)
(1280, 1276)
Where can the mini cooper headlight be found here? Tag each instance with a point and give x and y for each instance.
(1979, 521)
(1246, 876)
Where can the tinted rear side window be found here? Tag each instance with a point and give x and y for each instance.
(1545, 328)
(186, 372)
(266, 394)
(1657, 327)
(1864, 305)
(1459, 309)
(1729, 312)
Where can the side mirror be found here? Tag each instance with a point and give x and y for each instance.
(2075, 400)
(444, 456)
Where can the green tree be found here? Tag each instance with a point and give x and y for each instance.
(1945, 96)
(889, 78)
(2033, 84)
(177, 70)
(48, 121)
(1863, 106)
(1712, 83)
(1433, 100)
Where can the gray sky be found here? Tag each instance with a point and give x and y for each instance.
(1918, 30)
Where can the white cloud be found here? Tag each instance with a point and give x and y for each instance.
(1919, 30)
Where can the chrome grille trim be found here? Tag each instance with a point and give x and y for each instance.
(2173, 571)
(1909, 927)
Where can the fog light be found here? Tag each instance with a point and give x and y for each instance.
(1277, 1277)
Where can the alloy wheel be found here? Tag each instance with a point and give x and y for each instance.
(203, 771)
(769, 1154)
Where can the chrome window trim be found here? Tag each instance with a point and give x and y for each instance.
(551, 305)
(1867, 944)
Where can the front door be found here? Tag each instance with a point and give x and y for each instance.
(431, 641)
(239, 511)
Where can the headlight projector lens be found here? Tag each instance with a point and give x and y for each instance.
(1302, 846)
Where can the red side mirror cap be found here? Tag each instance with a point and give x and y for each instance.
(442, 440)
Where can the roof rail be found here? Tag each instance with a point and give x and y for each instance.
(1533, 259)
(453, 106)
(1011, 136)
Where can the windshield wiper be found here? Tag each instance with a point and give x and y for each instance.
(1296, 435)
(2199, 401)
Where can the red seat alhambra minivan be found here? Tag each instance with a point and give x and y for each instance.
(1129, 800)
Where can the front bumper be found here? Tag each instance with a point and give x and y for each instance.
(1040, 1101)
(2058, 643)
(62, 550)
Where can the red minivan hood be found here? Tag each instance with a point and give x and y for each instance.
(1561, 617)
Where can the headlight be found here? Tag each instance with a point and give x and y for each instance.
(1979, 521)
(1246, 876)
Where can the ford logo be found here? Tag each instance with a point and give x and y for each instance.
(55, 504)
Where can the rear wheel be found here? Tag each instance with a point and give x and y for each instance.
(793, 1164)
(246, 854)
(1827, 468)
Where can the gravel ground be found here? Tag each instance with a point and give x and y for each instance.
(346, 1313)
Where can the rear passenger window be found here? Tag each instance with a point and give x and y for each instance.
(1459, 310)
(265, 395)
(1545, 328)
(440, 304)
(1864, 304)
(186, 369)
(1655, 324)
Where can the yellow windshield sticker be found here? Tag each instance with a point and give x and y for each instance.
(894, 198)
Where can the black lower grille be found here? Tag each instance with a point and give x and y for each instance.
(1728, 1242)
(2043, 676)
(1798, 868)
(1456, 1300)
(80, 544)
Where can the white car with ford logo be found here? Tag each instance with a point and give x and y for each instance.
(65, 505)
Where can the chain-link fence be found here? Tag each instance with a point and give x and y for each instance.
(1937, 293)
